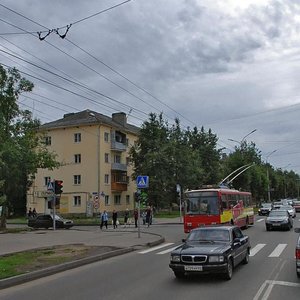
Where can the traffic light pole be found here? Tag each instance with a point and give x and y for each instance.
(53, 210)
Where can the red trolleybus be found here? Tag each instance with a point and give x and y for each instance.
(222, 205)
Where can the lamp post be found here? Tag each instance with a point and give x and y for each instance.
(241, 141)
(269, 194)
(98, 156)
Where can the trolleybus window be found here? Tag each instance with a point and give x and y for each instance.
(203, 203)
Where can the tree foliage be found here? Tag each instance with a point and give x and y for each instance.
(21, 149)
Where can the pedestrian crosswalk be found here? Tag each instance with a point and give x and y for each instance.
(275, 251)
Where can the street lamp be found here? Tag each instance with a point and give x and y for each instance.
(240, 142)
(98, 156)
(269, 195)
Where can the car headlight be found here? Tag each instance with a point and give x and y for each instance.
(175, 258)
(218, 258)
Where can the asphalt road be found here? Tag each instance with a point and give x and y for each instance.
(145, 275)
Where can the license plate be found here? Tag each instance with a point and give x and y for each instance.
(276, 224)
(193, 268)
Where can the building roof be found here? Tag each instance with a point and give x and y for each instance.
(89, 117)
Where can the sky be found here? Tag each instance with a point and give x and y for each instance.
(229, 66)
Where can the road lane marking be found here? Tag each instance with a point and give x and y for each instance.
(156, 248)
(168, 250)
(260, 220)
(256, 249)
(278, 250)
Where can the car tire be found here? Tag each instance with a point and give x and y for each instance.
(229, 269)
(179, 274)
(246, 258)
(298, 274)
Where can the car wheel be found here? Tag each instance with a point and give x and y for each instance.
(246, 259)
(229, 270)
(298, 274)
(179, 274)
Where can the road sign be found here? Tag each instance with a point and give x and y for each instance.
(142, 182)
(50, 186)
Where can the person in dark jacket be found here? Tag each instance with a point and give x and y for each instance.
(115, 219)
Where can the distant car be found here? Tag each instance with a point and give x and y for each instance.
(277, 205)
(46, 221)
(213, 249)
(296, 205)
(291, 210)
(297, 253)
(279, 219)
(265, 209)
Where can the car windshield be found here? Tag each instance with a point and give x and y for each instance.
(57, 217)
(277, 213)
(202, 203)
(266, 205)
(209, 235)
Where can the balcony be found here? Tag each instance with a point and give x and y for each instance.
(117, 146)
(119, 186)
(119, 167)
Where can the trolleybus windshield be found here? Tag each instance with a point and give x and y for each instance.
(202, 203)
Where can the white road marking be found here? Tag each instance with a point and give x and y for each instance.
(278, 250)
(168, 250)
(260, 220)
(155, 248)
(256, 249)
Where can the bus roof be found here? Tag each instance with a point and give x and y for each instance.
(221, 190)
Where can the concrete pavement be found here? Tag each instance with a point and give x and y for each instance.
(125, 239)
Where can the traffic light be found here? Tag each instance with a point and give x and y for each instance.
(58, 187)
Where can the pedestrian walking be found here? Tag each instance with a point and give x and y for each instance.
(34, 214)
(136, 216)
(104, 219)
(29, 213)
(126, 217)
(148, 216)
(115, 219)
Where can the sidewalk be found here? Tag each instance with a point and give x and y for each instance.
(126, 239)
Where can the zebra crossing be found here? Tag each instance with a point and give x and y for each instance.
(166, 248)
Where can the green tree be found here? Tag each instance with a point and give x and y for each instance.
(21, 149)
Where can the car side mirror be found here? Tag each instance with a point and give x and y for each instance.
(236, 242)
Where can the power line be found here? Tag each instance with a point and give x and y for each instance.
(57, 29)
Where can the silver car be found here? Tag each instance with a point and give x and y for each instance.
(279, 218)
(291, 210)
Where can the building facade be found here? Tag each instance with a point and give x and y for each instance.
(93, 150)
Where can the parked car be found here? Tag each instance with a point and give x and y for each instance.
(279, 219)
(265, 209)
(214, 249)
(296, 205)
(297, 253)
(46, 221)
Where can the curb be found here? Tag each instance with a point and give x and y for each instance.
(19, 279)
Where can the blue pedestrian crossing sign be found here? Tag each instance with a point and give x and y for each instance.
(142, 182)
(50, 186)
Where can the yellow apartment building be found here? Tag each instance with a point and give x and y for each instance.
(95, 169)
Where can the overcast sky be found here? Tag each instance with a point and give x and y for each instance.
(229, 65)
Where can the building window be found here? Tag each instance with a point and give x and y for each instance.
(77, 201)
(48, 140)
(106, 136)
(47, 180)
(106, 157)
(127, 199)
(77, 179)
(106, 178)
(106, 199)
(117, 200)
(77, 137)
(117, 159)
(77, 158)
